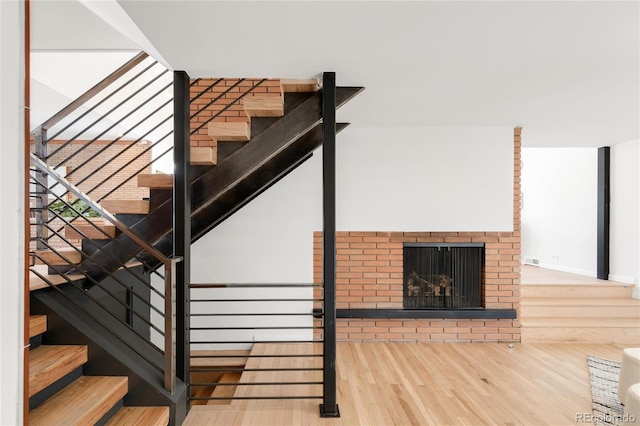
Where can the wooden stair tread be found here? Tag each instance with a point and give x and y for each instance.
(155, 180)
(87, 230)
(37, 325)
(49, 363)
(622, 311)
(126, 206)
(203, 156)
(143, 416)
(231, 131)
(264, 105)
(295, 85)
(225, 391)
(85, 401)
(53, 258)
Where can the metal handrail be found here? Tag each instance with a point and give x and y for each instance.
(169, 265)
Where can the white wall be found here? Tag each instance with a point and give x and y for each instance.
(11, 212)
(625, 212)
(559, 217)
(389, 179)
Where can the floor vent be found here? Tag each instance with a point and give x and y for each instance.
(531, 261)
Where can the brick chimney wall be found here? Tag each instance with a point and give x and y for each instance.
(369, 275)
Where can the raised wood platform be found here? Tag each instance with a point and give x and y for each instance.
(561, 307)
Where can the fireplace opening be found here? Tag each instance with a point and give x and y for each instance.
(442, 276)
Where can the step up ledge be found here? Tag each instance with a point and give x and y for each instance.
(49, 363)
(147, 416)
(85, 401)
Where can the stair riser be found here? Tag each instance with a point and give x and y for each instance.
(580, 311)
(627, 336)
(556, 291)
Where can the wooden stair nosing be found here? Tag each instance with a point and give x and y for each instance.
(264, 105)
(126, 206)
(85, 401)
(203, 156)
(233, 131)
(155, 180)
(53, 258)
(296, 85)
(49, 363)
(621, 335)
(37, 325)
(96, 231)
(140, 415)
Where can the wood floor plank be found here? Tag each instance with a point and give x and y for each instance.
(140, 416)
(438, 384)
(49, 363)
(83, 402)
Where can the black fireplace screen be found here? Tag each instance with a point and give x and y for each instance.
(442, 276)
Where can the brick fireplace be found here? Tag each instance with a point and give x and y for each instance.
(369, 268)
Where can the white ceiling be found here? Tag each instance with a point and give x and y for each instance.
(568, 72)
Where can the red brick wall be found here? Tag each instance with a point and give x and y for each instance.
(233, 113)
(369, 275)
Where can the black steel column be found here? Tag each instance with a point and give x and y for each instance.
(604, 165)
(329, 407)
(181, 219)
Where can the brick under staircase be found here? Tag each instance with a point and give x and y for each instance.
(59, 393)
(579, 313)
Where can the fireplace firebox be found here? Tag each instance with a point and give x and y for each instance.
(442, 275)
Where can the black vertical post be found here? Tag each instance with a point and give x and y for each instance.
(329, 407)
(181, 219)
(604, 165)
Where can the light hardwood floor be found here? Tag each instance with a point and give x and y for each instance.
(438, 384)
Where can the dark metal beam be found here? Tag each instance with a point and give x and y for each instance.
(604, 166)
(428, 313)
(181, 219)
(329, 406)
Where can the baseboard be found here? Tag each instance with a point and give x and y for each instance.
(622, 279)
(569, 270)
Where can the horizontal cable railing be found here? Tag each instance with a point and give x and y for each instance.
(255, 341)
(148, 308)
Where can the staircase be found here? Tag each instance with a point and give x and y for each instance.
(579, 312)
(60, 394)
(249, 158)
(106, 370)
